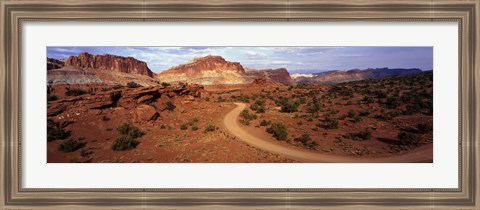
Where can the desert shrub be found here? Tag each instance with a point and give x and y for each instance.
(363, 113)
(163, 126)
(412, 109)
(51, 98)
(348, 103)
(164, 84)
(330, 123)
(408, 138)
(387, 115)
(360, 136)
(278, 130)
(124, 142)
(242, 98)
(105, 118)
(70, 145)
(75, 92)
(367, 99)
(357, 119)
(195, 120)
(424, 127)
(170, 106)
(55, 131)
(289, 107)
(183, 127)
(130, 130)
(258, 106)
(210, 128)
(247, 116)
(133, 85)
(304, 138)
(351, 113)
(194, 128)
(265, 123)
(392, 102)
(381, 94)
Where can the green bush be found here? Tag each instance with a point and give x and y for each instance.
(247, 116)
(194, 128)
(70, 145)
(164, 84)
(170, 106)
(55, 131)
(75, 92)
(128, 129)
(363, 113)
(330, 123)
(105, 118)
(304, 138)
(424, 127)
(408, 138)
(210, 128)
(289, 107)
(278, 130)
(367, 99)
(133, 85)
(357, 119)
(183, 127)
(351, 113)
(360, 136)
(124, 142)
(264, 123)
(392, 102)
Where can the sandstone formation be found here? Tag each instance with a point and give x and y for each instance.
(208, 70)
(145, 102)
(109, 62)
(279, 76)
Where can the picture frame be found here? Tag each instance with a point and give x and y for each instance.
(16, 13)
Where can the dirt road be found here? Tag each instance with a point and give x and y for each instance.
(231, 121)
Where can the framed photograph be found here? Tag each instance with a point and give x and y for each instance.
(239, 104)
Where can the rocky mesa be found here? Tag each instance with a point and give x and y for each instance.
(208, 70)
(109, 62)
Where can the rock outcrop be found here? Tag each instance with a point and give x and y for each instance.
(145, 103)
(54, 63)
(279, 76)
(109, 62)
(208, 70)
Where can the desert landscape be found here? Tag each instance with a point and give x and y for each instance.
(112, 108)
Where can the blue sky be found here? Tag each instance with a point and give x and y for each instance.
(292, 58)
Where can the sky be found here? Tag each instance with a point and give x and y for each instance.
(295, 59)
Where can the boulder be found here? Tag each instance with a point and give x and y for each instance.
(145, 113)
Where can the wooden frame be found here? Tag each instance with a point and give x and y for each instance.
(14, 13)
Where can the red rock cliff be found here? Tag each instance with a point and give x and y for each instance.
(109, 62)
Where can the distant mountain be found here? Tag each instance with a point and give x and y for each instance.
(337, 76)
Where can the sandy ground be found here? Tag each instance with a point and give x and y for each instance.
(232, 124)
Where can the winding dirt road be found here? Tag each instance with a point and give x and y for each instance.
(231, 122)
